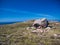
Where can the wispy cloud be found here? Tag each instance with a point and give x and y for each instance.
(32, 16)
(47, 16)
(16, 11)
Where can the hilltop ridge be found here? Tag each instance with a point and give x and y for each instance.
(16, 34)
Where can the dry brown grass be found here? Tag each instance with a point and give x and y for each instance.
(20, 36)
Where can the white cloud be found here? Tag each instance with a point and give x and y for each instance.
(37, 15)
(47, 16)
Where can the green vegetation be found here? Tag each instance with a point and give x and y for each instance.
(16, 34)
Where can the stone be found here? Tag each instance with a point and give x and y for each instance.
(40, 22)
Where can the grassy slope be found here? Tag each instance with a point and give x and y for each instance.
(16, 34)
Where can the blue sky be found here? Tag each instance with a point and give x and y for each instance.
(21, 10)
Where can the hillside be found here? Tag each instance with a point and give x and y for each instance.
(16, 34)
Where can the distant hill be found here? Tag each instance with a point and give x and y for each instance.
(4, 23)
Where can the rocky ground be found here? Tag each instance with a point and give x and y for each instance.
(17, 34)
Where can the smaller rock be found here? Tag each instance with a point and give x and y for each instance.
(28, 28)
(55, 35)
(33, 28)
(40, 30)
(47, 29)
(54, 27)
(34, 31)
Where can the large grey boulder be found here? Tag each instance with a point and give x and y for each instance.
(40, 22)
